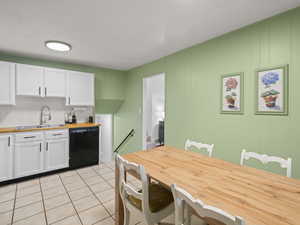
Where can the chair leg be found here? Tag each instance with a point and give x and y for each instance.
(188, 216)
(126, 216)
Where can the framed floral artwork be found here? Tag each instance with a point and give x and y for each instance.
(272, 91)
(232, 93)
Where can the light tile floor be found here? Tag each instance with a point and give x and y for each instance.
(77, 197)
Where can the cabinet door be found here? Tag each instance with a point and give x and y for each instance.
(7, 83)
(55, 83)
(28, 158)
(30, 80)
(57, 154)
(6, 164)
(80, 89)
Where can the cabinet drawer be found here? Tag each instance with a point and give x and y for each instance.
(54, 134)
(29, 137)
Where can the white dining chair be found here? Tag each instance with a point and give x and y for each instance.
(153, 201)
(208, 147)
(284, 163)
(185, 202)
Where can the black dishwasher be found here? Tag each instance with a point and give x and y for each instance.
(84, 147)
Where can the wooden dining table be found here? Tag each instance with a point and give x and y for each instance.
(260, 197)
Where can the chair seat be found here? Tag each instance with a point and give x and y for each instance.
(159, 198)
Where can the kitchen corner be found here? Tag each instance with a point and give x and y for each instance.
(46, 121)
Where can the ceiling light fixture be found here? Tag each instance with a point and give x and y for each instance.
(58, 46)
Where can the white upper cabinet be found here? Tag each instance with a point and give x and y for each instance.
(76, 87)
(80, 89)
(55, 83)
(7, 83)
(30, 80)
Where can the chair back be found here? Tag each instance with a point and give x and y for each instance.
(284, 163)
(127, 189)
(183, 199)
(208, 147)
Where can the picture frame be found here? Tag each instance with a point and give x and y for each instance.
(232, 93)
(271, 94)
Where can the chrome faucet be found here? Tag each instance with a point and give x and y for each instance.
(45, 115)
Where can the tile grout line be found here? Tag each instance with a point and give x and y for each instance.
(26, 195)
(27, 204)
(71, 200)
(25, 218)
(63, 217)
(42, 194)
(30, 185)
(55, 196)
(76, 189)
(13, 211)
(66, 216)
(106, 180)
(103, 220)
(6, 202)
(95, 196)
(7, 191)
(110, 200)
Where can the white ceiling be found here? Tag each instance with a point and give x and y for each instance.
(123, 34)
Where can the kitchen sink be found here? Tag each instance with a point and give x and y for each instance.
(39, 126)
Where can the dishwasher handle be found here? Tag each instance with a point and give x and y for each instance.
(83, 130)
(77, 131)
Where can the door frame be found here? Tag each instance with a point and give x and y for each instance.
(144, 144)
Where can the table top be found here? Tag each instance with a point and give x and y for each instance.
(260, 197)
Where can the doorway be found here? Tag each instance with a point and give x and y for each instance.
(153, 111)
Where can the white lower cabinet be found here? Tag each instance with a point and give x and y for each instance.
(6, 157)
(57, 150)
(28, 153)
(28, 158)
(33, 153)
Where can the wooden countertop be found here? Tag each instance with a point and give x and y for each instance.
(66, 126)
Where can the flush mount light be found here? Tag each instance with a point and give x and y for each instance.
(58, 46)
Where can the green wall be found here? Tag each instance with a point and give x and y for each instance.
(109, 84)
(193, 93)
